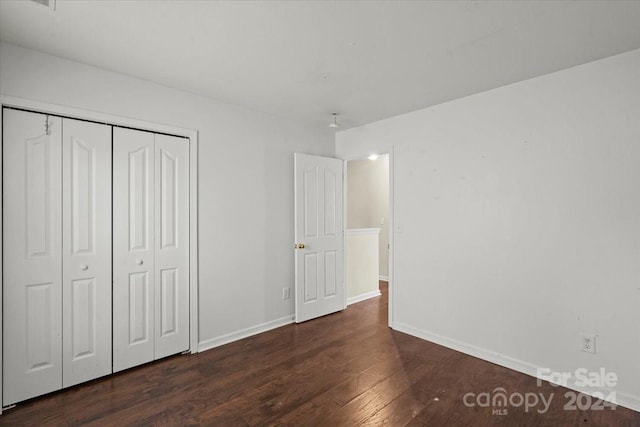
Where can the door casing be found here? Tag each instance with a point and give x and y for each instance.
(81, 114)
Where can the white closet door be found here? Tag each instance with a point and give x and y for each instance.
(86, 231)
(171, 245)
(32, 255)
(133, 244)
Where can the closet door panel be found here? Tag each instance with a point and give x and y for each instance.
(32, 256)
(86, 230)
(171, 245)
(133, 248)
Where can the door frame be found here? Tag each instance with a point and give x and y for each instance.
(110, 119)
(391, 224)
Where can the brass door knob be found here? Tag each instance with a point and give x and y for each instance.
(299, 246)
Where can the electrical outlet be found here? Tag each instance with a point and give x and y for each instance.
(588, 343)
(286, 293)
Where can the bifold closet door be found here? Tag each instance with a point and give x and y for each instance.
(150, 247)
(32, 255)
(86, 237)
(57, 253)
(133, 238)
(171, 246)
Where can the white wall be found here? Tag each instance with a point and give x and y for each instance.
(519, 211)
(245, 179)
(362, 264)
(368, 201)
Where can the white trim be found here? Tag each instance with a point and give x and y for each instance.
(623, 399)
(96, 116)
(365, 296)
(627, 400)
(360, 231)
(383, 278)
(193, 243)
(1, 259)
(392, 237)
(345, 177)
(244, 333)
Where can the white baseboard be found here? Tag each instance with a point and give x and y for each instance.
(363, 297)
(243, 333)
(623, 399)
(383, 278)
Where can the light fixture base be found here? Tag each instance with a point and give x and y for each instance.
(335, 123)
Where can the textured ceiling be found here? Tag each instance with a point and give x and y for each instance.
(301, 60)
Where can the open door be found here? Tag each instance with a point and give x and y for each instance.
(319, 257)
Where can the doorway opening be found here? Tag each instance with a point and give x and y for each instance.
(368, 220)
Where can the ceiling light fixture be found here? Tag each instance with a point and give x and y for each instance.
(372, 157)
(51, 4)
(335, 123)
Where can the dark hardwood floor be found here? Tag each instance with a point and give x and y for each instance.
(346, 369)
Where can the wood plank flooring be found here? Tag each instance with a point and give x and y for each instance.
(346, 369)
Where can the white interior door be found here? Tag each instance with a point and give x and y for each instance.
(319, 261)
(86, 270)
(133, 244)
(32, 256)
(171, 245)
